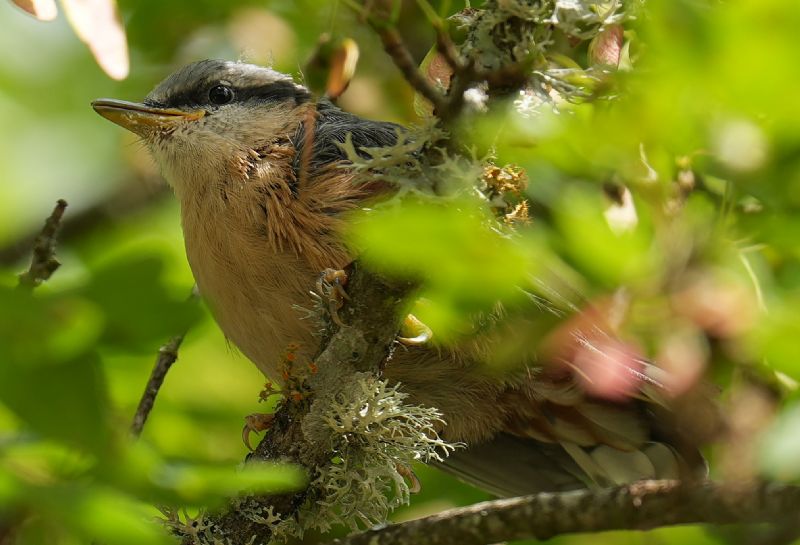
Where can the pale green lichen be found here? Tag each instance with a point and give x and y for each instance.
(281, 528)
(199, 529)
(373, 435)
(541, 35)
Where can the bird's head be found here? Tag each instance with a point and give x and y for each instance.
(199, 120)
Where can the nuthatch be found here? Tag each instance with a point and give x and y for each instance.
(262, 182)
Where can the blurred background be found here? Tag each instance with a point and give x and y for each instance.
(719, 99)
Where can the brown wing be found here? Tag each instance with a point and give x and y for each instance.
(530, 429)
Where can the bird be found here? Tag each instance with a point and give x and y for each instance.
(257, 166)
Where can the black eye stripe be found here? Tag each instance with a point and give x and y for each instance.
(277, 91)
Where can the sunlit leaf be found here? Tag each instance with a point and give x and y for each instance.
(613, 257)
(776, 338)
(780, 450)
(467, 264)
(44, 10)
(210, 485)
(97, 23)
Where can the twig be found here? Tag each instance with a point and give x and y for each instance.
(167, 355)
(465, 73)
(396, 48)
(447, 48)
(44, 262)
(639, 506)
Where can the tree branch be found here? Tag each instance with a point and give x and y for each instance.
(396, 48)
(372, 319)
(167, 355)
(44, 262)
(638, 506)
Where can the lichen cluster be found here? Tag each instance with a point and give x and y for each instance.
(542, 36)
(374, 437)
(420, 164)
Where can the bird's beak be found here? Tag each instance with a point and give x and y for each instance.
(142, 119)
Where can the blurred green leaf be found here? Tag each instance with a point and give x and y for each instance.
(776, 337)
(211, 486)
(466, 263)
(45, 329)
(99, 514)
(780, 446)
(141, 314)
(144, 473)
(67, 401)
(612, 258)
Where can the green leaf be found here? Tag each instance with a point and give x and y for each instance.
(612, 258)
(456, 249)
(776, 338)
(45, 330)
(99, 514)
(141, 313)
(67, 401)
(143, 472)
(780, 447)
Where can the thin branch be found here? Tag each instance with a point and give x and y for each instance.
(465, 73)
(44, 262)
(167, 355)
(396, 48)
(445, 46)
(639, 506)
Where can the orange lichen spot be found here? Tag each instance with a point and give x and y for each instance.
(501, 180)
(518, 215)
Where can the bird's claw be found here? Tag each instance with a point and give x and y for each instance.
(413, 332)
(256, 422)
(331, 284)
(414, 486)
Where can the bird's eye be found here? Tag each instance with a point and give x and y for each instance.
(220, 94)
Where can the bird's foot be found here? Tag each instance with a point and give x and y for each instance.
(268, 391)
(256, 422)
(413, 332)
(330, 286)
(414, 486)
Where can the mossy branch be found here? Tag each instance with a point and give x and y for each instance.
(638, 506)
(372, 319)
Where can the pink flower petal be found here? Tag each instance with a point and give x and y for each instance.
(606, 47)
(97, 24)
